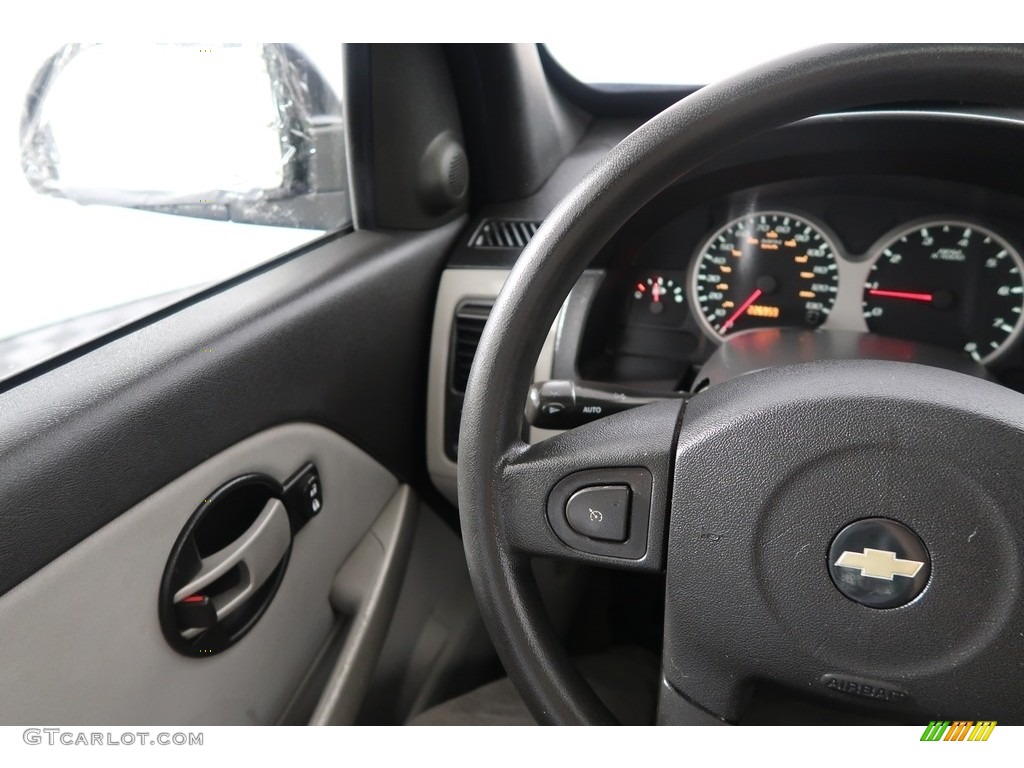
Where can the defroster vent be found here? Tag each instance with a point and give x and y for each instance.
(504, 233)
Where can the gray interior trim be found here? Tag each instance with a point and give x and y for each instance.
(436, 645)
(367, 586)
(573, 322)
(458, 285)
(81, 638)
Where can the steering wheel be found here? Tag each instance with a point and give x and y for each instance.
(852, 528)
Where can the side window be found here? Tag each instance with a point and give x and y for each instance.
(150, 171)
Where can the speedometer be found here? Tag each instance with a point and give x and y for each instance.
(952, 284)
(763, 270)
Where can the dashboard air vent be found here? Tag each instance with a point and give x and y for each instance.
(468, 325)
(504, 233)
(470, 318)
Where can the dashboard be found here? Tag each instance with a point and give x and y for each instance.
(894, 234)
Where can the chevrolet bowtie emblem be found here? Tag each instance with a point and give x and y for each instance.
(879, 564)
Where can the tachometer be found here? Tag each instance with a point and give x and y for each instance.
(763, 270)
(951, 284)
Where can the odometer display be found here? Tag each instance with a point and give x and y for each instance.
(764, 270)
(949, 284)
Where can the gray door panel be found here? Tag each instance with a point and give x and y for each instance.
(336, 334)
(81, 638)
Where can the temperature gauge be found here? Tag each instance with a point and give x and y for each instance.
(656, 297)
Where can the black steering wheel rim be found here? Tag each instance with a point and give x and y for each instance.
(660, 153)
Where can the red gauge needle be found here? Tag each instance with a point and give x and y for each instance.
(742, 308)
(900, 295)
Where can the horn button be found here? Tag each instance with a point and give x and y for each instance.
(879, 563)
(854, 521)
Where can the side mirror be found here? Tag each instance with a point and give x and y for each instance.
(247, 133)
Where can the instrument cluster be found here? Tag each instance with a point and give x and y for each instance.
(926, 261)
(946, 282)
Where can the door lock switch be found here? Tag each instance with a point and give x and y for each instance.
(303, 495)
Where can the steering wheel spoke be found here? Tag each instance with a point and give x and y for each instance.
(597, 494)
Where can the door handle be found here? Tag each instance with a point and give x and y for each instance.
(256, 553)
(230, 558)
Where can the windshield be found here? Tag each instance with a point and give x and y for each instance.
(636, 61)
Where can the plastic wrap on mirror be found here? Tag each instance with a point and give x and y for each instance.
(247, 133)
